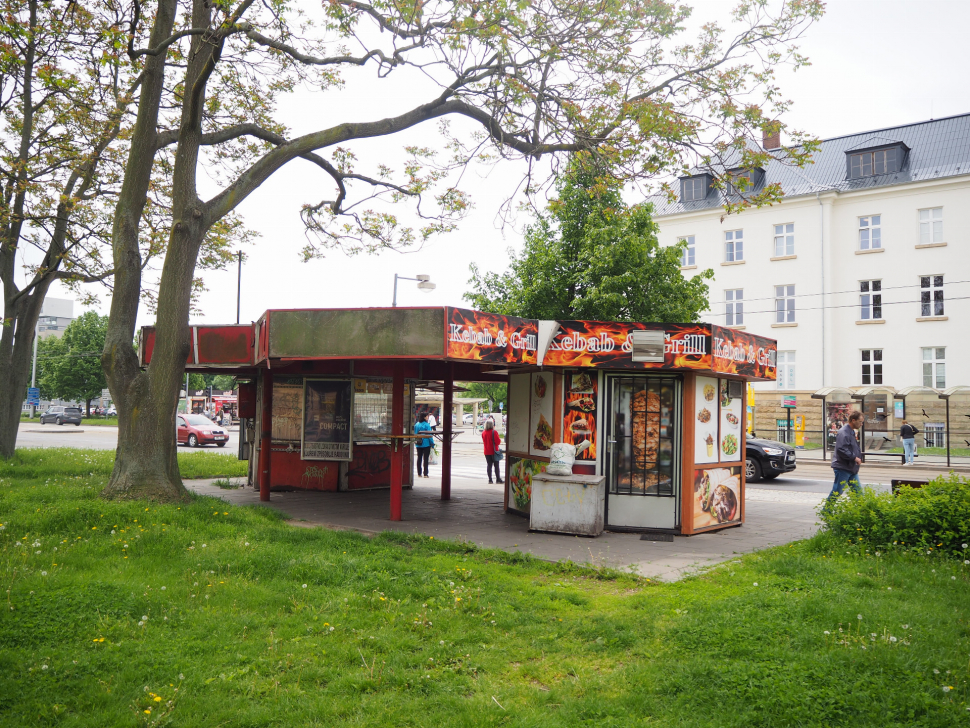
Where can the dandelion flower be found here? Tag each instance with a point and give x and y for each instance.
(935, 671)
(43, 667)
(827, 632)
(158, 699)
(304, 586)
(163, 588)
(947, 688)
(953, 577)
(756, 583)
(859, 616)
(905, 626)
(892, 639)
(203, 545)
(44, 573)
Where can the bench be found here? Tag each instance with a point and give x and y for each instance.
(875, 453)
(911, 483)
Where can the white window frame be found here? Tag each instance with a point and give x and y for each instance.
(930, 225)
(785, 304)
(786, 370)
(931, 296)
(734, 307)
(784, 239)
(733, 246)
(870, 232)
(692, 186)
(688, 255)
(872, 366)
(869, 306)
(934, 434)
(933, 362)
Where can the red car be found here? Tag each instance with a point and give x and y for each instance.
(196, 430)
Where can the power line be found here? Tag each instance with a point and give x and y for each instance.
(851, 305)
(839, 293)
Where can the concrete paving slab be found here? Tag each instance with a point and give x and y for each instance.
(475, 514)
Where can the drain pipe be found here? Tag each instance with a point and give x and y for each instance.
(821, 238)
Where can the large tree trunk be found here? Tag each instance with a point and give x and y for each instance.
(145, 461)
(16, 350)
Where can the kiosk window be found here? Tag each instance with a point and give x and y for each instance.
(643, 434)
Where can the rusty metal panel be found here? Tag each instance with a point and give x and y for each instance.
(352, 333)
(225, 344)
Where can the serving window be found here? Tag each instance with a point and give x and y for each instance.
(643, 436)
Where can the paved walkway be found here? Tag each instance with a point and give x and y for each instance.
(475, 514)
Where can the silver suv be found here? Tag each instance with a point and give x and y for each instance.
(61, 416)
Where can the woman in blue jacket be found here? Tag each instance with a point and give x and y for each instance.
(424, 444)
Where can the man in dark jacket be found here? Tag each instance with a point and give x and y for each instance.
(846, 459)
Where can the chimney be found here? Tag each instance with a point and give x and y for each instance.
(771, 139)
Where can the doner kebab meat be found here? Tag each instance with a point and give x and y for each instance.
(646, 429)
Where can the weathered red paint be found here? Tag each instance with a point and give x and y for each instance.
(292, 472)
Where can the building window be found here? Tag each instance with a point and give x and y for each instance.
(931, 296)
(870, 300)
(786, 370)
(867, 164)
(784, 304)
(931, 226)
(694, 188)
(734, 307)
(734, 246)
(934, 433)
(687, 256)
(784, 240)
(872, 366)
(870, 232)
(934, 367)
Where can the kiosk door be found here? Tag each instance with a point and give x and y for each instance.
(643, 453)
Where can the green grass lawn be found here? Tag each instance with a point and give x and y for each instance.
(135, 614)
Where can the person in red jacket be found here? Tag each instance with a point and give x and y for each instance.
(493, 446)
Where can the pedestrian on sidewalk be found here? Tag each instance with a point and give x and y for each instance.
(493, 450)
(432, 421)
(846, 459)
(907, 433)
(423, 445)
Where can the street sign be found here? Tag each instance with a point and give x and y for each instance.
(788, 401)
(501, 406)
(33, 395)
(105, 394)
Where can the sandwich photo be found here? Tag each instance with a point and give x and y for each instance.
(543, 437)
(583, 404)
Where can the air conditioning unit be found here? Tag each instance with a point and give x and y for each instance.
(648, 346)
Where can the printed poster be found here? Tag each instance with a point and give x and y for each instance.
(520, 474)
(287, 410)
(717, 496)
(705, 420)
(730, 442)
(579, 414)
(540, 414)
(327, 418)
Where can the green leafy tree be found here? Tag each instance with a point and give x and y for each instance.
(73, 369)
(495, 391)
(590, 256)
(223, 382)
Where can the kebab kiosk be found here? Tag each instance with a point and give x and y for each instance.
(662, 405)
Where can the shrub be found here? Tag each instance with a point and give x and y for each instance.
(934, 518)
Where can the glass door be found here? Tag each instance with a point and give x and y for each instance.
(643, 452)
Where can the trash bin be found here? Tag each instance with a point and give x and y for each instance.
(568, 504)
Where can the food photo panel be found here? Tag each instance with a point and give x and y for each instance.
(717, 496)
(706, 441)
(579, 414)
(730, 443)
(541, 396)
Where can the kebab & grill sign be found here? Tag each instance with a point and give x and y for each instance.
(490, 337)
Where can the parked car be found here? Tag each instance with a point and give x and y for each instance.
(61, 415)
(767, 459)
(196, 430)
(468, 419)
(111, 411)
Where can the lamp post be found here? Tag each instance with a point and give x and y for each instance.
(424, 284)
(238, 288)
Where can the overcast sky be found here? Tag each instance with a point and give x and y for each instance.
(875, 63)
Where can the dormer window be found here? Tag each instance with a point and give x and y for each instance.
(694, 188)
(742, 181)
(872, 162)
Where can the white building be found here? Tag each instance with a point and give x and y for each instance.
(861, 273)
(55, 315)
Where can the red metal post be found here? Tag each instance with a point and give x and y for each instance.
(397, 429)
(447, 410)
(266, 436)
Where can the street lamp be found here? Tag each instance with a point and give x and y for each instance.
(424, 284)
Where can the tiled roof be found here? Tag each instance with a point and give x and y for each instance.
(938, 148)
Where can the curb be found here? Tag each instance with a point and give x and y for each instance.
(889, 466)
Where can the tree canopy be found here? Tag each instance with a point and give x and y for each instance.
(590, 256)
(72, 364)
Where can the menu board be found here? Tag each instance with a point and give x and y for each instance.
(519, 403)
(717, 496)
(730, 442)
(328, 412)
(540, 414)
(287, 409)
(579, 415)
(705, 420)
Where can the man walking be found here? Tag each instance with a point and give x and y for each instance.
(846, 459)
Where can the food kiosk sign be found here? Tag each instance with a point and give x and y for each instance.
(490, 337)
(327, 419)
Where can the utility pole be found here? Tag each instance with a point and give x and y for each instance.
(238, 287)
